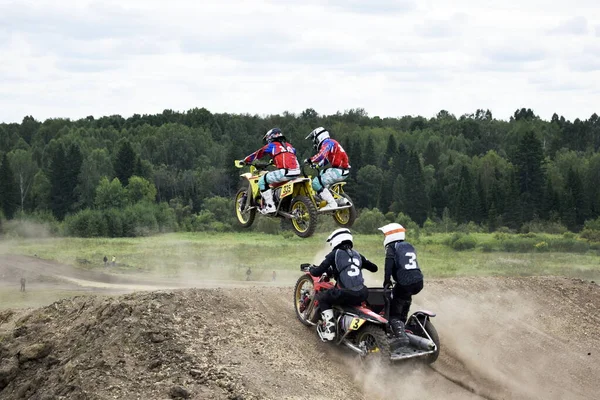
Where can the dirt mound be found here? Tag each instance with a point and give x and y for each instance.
(501, 339)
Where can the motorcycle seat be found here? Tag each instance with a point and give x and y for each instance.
(279, 184)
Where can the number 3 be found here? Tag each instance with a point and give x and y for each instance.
(412, 263)
(354, 271)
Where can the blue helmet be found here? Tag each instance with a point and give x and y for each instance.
(273, 134)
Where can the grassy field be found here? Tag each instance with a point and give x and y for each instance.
(234, 252)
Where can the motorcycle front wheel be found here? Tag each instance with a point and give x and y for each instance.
(304, 292)
(244, 218)
(305, 212)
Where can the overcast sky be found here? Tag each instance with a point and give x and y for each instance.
(74, 58)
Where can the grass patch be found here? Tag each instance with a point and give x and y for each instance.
(481, 254)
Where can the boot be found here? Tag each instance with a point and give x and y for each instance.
(400, 339)
(342, 201)
(328, 197)
(328, 332)
(269, 206)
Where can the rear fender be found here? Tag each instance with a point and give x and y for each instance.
(424, 313)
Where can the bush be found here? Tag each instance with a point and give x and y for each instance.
(518, 245)
(568, 245)
(538, 226)
(460, 242)
(267, 225)
(369, 220)
(541, 246)
(591, 230)
(86, 223)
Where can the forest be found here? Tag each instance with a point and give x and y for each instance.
(114, 176)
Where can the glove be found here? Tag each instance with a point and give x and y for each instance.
(307, 161)
(387, 286)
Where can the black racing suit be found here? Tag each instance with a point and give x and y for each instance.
(401, 265)
(346, 266)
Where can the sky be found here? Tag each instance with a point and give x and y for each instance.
(74, 58)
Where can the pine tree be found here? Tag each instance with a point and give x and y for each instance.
(576, 199)
(369, 155)
(390, 152)
(355, 158)
(9, 196)
(125, 163)
(432, 154)
(529, 160)
(466, 202)
(58, 181)
(73, 168)
(416, 203)
(513, 207)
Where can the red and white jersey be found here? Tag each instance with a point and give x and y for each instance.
(283, 155)
(333, 153)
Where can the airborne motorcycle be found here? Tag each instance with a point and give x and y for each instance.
(295, 201)
(365, 328)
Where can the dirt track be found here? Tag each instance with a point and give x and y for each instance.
(502, 338)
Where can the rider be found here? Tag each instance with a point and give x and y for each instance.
(284, 158)
(330, 152)
(401, 265)
(345, 264)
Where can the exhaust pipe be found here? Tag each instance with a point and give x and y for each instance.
(355, 348)
(421, 343)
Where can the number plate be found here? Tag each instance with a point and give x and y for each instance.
(356, 323)
(287, 189)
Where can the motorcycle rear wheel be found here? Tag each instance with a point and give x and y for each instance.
(376, 342)
(307, 223)
(304, 282)
(245, 219)
(346, 216)
(430, 358)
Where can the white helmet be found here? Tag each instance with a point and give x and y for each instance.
(392, 232)
(318, 135)
(338, 236)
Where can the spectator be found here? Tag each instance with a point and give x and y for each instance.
(248, 274)
(273, 277)
(23, 284)
(105, 261)
(114, 261)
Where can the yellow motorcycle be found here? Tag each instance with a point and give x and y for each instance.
(295, 201)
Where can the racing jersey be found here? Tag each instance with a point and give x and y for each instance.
(283, 155)
(333, 153)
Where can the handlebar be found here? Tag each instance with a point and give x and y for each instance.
(256, 164)
(305, 267)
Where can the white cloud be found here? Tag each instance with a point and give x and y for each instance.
(573, 26)
(78, 58)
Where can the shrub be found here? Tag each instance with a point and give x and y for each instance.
(538, 226)
(369, 220)
(518, 245)
(487, 247)
(541, 246)
(591, 230)
(267, 225)
(568, 245)
(464, 243)
(459, 241)
(86, 223)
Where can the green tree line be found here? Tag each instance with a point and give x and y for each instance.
(472, 168)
